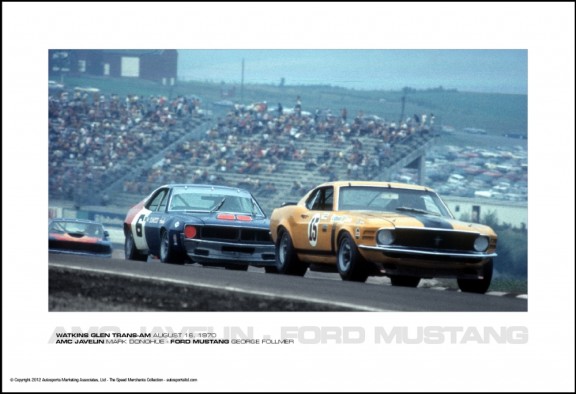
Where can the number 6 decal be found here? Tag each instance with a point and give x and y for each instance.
(313, 230)
(139, 225)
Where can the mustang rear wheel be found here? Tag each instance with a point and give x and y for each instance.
(478, 285)
(406, 281)
(130, 251)
(168, 253)
(287, 262)
(350, 263)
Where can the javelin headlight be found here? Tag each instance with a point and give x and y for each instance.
(385, 237)
(481, 244)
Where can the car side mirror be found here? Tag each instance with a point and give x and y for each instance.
(106, 234)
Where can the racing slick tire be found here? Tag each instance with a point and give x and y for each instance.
(405, 281)
(168, 253)
(130, 251)
(236, 267)
(479, 286)
(287, 262)
(350, 263)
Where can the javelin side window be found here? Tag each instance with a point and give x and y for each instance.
(155, 203)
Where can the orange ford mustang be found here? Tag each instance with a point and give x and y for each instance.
(402, 231)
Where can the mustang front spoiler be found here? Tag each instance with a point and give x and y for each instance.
(397, 250)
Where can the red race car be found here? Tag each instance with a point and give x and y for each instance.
(75, 236)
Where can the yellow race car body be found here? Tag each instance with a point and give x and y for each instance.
(380, 228)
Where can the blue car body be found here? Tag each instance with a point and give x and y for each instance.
(210, 225)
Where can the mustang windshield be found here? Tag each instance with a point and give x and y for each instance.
(367, 198)
(206, 200)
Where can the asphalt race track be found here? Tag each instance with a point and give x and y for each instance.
(78, 283)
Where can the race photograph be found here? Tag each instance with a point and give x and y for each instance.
(288, 197)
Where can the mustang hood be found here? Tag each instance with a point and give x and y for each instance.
(414, 219)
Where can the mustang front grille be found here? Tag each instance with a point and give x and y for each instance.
(435, 239)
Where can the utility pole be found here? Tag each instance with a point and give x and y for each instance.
(405, 90)
(242, 84)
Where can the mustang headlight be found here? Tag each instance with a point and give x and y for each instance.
(385, 237)
(481, 244)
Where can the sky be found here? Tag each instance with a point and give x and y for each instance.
(485, 71)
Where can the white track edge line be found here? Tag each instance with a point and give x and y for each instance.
(229, 288)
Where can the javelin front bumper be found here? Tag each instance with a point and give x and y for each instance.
(203, 251)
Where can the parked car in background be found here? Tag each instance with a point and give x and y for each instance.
(76, 236)
(210, 225)
(399, 230)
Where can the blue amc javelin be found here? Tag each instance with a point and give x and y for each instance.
(209, 225)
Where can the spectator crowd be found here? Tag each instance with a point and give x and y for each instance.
(96, 139)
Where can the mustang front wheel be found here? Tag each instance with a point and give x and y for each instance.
(405, 281)
(478, 285)
(351, 265)
(287, 262)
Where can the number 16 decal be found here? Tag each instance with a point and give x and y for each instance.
(313, 230)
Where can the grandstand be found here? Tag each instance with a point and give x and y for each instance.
(108, 150)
